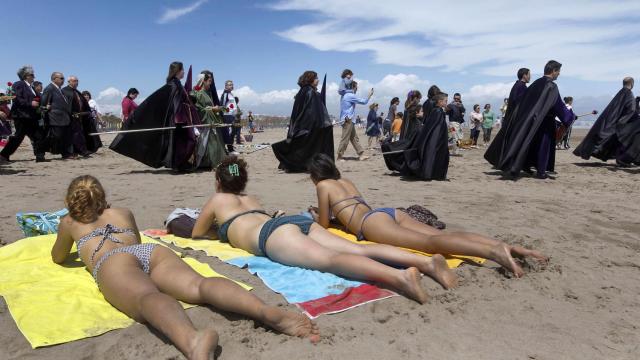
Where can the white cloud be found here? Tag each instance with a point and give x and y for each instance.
(592, 39)
(491, 90)
(110, 93)
(170, 15)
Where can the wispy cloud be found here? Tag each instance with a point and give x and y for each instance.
(595, 40)
(170, 15)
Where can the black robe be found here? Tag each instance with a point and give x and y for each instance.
(425, 154)
(629, 137)
(494, 150)
(602, 140)
(310, 132)
(410, 121)
(531, 129)
(166, 107)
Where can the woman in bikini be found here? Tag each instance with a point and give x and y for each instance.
(298, 241)
(145, 281)
(340, 197)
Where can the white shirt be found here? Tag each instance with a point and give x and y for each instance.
(229, 101)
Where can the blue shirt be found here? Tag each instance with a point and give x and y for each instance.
(348, 106)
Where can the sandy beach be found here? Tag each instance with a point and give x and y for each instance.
(584, 305)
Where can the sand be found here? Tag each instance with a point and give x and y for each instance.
(584, 305)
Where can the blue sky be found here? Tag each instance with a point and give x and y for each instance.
(465, 47)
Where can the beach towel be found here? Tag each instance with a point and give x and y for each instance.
(53, 304)
(314, 292)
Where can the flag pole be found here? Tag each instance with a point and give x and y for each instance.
(160, 129)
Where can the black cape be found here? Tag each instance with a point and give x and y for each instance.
(531, 119)
(602, 140)
(425, 154)
(630, 138)
(310, 132)
(410, 121)
(493, 153)
(167, 106)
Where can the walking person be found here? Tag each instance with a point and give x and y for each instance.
(58, 117)
(488, 118)
(388, 121)
(373, 127)
(475, 125)
(228, 101)
(25, 117)
(347, 112)
(128, 104)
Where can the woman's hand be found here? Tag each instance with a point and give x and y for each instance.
(314, 213)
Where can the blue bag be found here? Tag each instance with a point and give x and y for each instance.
(40, 223)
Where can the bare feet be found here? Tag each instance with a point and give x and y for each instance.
(291, 323)
(411, 287)
(522, 252)
(436, 267)
(501, 254)
(203, 344)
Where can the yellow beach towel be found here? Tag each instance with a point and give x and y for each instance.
(53, 304)
(226, 252)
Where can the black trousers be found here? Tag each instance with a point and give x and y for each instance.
(31, 129)
(60, 138)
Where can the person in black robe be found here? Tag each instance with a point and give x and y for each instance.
(602, 140)
(310, 128)
(412, 117)
(81, 120)
(166, 107)
(430, 103)
(529, 139)
(515, 95)
(629, 137)
(426, 155)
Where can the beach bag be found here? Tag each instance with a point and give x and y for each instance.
(40, 223)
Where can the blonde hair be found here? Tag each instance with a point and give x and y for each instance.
(85, 199)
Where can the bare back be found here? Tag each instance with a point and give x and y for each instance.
(72, 230)
(341, 199)
(244, 230)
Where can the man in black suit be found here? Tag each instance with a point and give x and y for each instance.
(79, 111)
(25, 117)
(58, 116)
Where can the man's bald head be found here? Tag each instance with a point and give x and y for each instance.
(73, 81)
(628, 82)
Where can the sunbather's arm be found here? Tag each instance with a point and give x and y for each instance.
(63, 243)
(203, 223)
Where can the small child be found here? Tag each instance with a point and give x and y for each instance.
(396, 126)
(346, 85)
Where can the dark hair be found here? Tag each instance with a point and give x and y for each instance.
(174, 68)
(627, 81)
(86, 93)
(551, 66)
(476, 106)
(322, 167)
(411, 97)
(132, 91)
(36, 84)
(394, 100)
(433, 91)
(522, 72)
(233, 183)
(346, 72)
(456, 94)
(307, 78)
(486, 106)
(567, 99)
(399, 114)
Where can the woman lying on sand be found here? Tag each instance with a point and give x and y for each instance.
(340, 197)
(144, 280)
(298, 241)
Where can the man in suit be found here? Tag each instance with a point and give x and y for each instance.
(25, 117)
(79, 110)
(58, 116)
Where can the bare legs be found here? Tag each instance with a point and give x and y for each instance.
(435, 267)
(153, 300)
(287, 245)
(409, 233)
